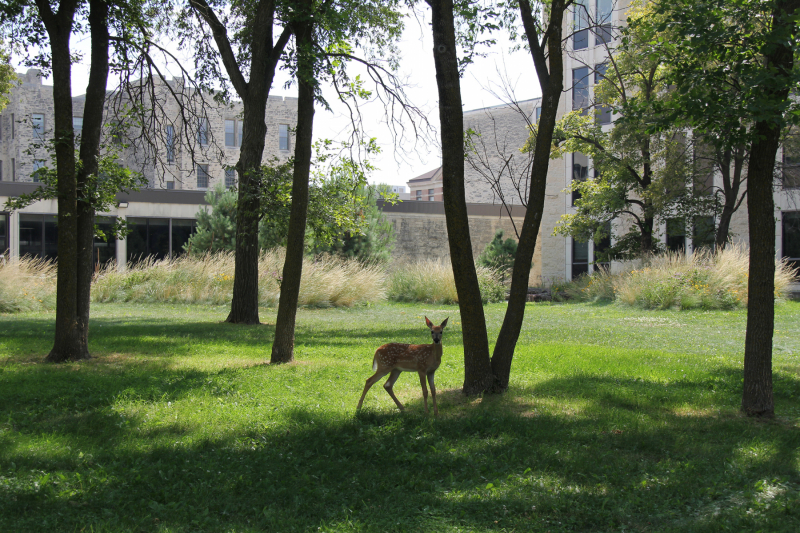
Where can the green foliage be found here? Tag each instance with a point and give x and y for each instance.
(614, 418)
(499, 255)
(7, 76)
(216, 227)
(374, 241)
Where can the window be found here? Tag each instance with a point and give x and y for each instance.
(239, 132)
(38, 164)
(791, 164)
(4, 237)
(419, 195)
(170, 185)
(13, 127)
(230, 177)
(170, 144)
(202, 131)
(105, 249)
(580, 88)
(158, 237)
(676, 234)
(538, 113)
(283, 136)
(1, 171)
(703, 233)
(116, 131)
(580, 171)
(603, 113)
(603, 33)
(430, 195)
(77, 125)
(230, 133)
(13, 169)
(791, 237)
(38, 236)
(37, 123)
(580, 258)
(202, 176)
(580, 37)
(1, 127)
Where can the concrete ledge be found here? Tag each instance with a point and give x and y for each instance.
(155, 196)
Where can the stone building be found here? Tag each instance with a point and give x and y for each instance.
(196, 147)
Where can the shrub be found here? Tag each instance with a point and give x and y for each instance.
(705, 279)
(27, 284)
(499, 255)
(432, 281)
(327, 281)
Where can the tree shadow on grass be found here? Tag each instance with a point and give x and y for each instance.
(630, 457)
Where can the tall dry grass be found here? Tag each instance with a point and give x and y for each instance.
(704, 279)
(327, 281)
(27, 284)
(432, 281)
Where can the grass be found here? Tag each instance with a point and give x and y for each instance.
(27, 285)
(617, 419)
(702, 280)
(432, 281)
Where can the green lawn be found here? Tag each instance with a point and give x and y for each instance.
(617, 420)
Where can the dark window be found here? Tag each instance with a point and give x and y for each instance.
(170, 185)
(77, 125)
(37, 165)
(703, 233)
(791, 165)
(38, 236)
(4, 238)
(37, 123)
(1, 171)
(419, 195)
(13, 169)
(580, 258)
(202, 176)
(116, 132)
(791, 237)
(230, 177)
(602, 112)
(580, 171)
(13, 127)
(283, 136)
(601, 247)
(580, 39)
(105, 249)
(430, 195)
(202, 131)
(148, 237)
(239, 132)
(676, 234)
(230, 133)
(580, 88)
(602, 32)
(538, 113)
(181, 231)
(170, 144)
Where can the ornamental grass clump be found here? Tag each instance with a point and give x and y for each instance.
(432, 281)
(704, 279)
(327, 281)
(27, 284)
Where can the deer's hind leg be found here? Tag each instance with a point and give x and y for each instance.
(390, 383)
(370, 382)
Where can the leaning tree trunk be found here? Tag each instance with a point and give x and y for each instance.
(67, 345)
(283, 345)
(757, 397)
(552, 81)
(477, 366)
(89, 152)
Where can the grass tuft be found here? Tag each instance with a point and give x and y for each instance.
(27, 284)
(432, 281)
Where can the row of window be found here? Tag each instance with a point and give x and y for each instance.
(203, 177)
(156, 237)
(580, 92)
(599, 24)
(234, 132)
(36, 122)
(430, 195)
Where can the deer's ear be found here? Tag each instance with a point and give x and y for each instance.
(429, 323)
(444, 323)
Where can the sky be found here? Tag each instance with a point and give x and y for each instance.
(481, 86)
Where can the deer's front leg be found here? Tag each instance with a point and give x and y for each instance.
(424, 389)
(433, 394)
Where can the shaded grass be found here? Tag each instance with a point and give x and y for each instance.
(616, 419)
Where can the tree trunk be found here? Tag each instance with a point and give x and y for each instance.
(89, 153)
(552, 86)
(283, 345)
(67, 344)
(757, 397)
(478, 375)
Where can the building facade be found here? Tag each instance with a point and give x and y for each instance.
(197, 145)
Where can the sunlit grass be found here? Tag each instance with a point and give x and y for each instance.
(617, 419)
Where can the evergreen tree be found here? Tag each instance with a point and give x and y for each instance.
(499, 254)
(216, 227)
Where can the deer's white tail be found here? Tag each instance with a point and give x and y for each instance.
(374, 364)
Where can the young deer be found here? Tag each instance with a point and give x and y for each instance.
(395, 357)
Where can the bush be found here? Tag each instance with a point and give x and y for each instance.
(499, 255)
(705, 279)
(432, 281)
(27, 284)
(327, 281)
